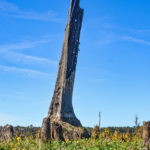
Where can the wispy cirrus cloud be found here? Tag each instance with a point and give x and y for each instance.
(110, 37)
(106, 32)
(27, 59)
(27, 72)
(11, 10)
(23, 45)
(8, 52)
(135, 40)
(8, 7)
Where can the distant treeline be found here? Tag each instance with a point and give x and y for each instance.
(120, 129)
(113, 129)
(26, 131)
(32, 131)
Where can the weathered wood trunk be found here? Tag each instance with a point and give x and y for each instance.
(45, 130)
(61, 105)
(146, 134)
(51, 130)
(56, 131)
(61, 109)
(7, 133)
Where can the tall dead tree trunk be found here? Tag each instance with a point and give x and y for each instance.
(61, 108)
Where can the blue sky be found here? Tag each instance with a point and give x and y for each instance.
(113, 74)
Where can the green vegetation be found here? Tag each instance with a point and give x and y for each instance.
(84, 144)
(106, 140)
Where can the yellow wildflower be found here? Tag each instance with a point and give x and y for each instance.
(18, 138)
(67, 140)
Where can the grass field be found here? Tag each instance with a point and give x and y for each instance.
(104, 140)
(84, 144)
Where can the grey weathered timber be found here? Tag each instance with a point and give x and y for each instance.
(146, 134)
(6, 133)
(61, 116)
(61, 106)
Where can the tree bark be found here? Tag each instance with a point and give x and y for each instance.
(146, 134)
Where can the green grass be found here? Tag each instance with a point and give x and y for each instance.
(84, 144)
